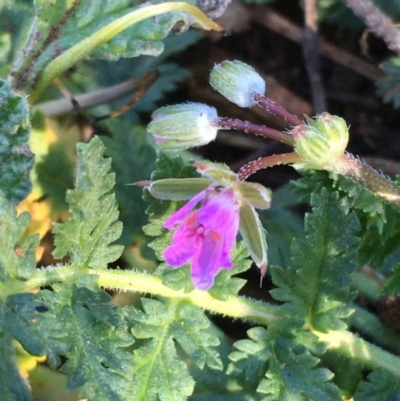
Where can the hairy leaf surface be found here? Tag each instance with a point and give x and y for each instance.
(88, 235)
(159, 371)
(59, 28)
(16, 159)
(316, 285)
(133, 159)
(281, 369)
(379, 386)
(95, 333)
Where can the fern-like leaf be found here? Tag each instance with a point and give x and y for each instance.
(316, 286)
(160, 373)
(380, 386)
(281, 369)
(94, 332)
(88, 235)
(16, 159)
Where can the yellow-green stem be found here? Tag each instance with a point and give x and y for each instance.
(103, 35)
(341, 341)
(351, 346)
(355, 169)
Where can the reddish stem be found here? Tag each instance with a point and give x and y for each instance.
(265, 162)
(250, 128)
(276, 110)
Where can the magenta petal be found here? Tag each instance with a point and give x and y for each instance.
(205, 236)
(182, 213)
(206, 264)
(221, 214)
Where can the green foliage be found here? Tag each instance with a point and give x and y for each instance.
(311, 286)
(133, 159)
(16, 158)
(281, 369)
(159, 371)
(380, 223)
(166, 348)
(57, 29)
(17, 262)
(17, 254)
(16, 16)
(94, 332)
(392, 285)
(378, 387)
(88, 235)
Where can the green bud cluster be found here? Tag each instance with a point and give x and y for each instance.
(321, 143)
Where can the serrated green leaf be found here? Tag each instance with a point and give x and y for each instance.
(166, 167)
(16, 159)
(159, 371)
(95, 333)
(380, 386)
(133, 159)
(380, 223)
(17, 254)
(16, 15)
(13, 386)
(17, 263)
(292, 375)
(57, 29)
(316, 285)
(88, 235)
(32, 324)
(215, 385)
(280, 368)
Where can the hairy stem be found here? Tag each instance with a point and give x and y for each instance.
(250, 128)
(276, 109)
(343, 342)
(351, 346)
(266, 162)
(372, 327)
(41, 278)
(385, 189)
(378, 22)
(103, 35)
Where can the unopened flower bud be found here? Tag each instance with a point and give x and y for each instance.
(237, 81)
(183, 126)
(321, 143)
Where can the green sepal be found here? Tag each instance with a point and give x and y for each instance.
(253, 235)
(178, 188)
(255, 194)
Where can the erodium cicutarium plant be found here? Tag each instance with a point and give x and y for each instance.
(108, 291)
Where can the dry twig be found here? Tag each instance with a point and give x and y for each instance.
(378, 22)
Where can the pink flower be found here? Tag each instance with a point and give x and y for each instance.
(206, 233)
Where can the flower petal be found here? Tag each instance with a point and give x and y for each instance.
(187, 241)
(182, 213)
(207, 263)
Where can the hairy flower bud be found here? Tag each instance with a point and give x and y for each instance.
(183, 126)
(237, 81)
(321, 143)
